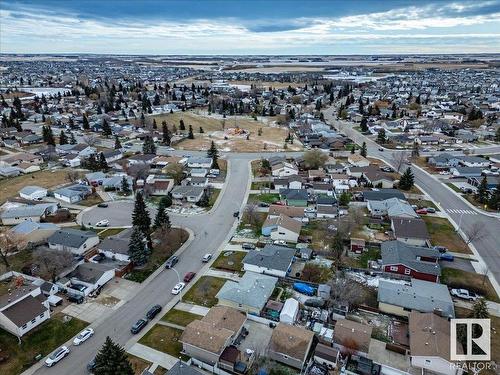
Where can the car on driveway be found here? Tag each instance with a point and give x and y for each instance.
(178, 288)
(248, 246)
(102, 205)
(56, 356)
(83, 336)
(189, 276)
(206, 257)
(421, 211)
(441, 249)
(430, 210)
(102, 223)
(464, 294)
(153, 311)
(446, 257)
(138, 326)
(171, 262)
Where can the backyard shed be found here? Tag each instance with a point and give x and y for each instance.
(289, 312)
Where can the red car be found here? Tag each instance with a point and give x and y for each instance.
(189, 276)
(421, 211)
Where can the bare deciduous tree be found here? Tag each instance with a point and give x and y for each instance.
(72, 176)
(90, 140)
(10, 243)
(477, 230)
(400, 159)
(252, 214)
(52, 262)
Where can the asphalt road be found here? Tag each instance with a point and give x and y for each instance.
(487, 245)
(217, 224)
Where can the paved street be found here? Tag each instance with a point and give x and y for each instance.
(218, 224)
(487, 246)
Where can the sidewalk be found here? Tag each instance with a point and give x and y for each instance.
(223, 274)
(154, 356)
(195, 309)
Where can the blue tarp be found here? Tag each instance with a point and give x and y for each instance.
(304, 289)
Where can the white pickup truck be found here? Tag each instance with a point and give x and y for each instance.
(464, 294)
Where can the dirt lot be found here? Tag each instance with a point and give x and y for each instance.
(9, 187)
(218, 129)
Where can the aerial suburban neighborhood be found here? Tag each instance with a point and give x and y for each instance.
(272, 211)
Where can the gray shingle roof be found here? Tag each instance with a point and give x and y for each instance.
(382, 194)
(70, 237)
(396, 252)
(409, 228)
(423, 296)
(89, 272)
(272, 257)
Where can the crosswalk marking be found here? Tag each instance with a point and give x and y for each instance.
(458, 211)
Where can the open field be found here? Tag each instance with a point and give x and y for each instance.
(475, 282)
(229, 134)
(204, 291)
(179, 317)
(9, 187)
(41, 340)
(443, 234)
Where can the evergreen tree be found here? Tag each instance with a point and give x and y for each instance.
(190, 133)
(149, 146)
(125, 186)
(63, 139)
(85, 125)
(364, 125)
(50, 137)
(407, 180)
(381, 138)
(165, 133)
(118, 144)
(106, 129)
(91, 163)
(181, 125)
(112, 360)
(162, 219)
(494, 201)
(480, 309)
(482, 191)
(353, 149)
(213, 153)
(72, 139)
(363, 151)
(140, 216)
(204, 201)
(136, 247)
(344, 198)
(415, 152)
(103, 164)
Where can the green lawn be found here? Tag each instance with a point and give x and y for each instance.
(163, 338)
(370, 254)
(204, 291)
(214, 194)
(179, 317)
(266, 198)
(109, 232)
(475, 282)
(232, 262)
(453, 187)
(91, 200)
(423, 203)
(258, 185)
(442, 233)
(42, 340)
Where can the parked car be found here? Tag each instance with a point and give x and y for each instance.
(381, 149)
(248, 246)
(421, 211)
(280, 242)
(91, 366)
(206, 258)
(444, 173)
(102, 223)
(178, 288)
(102, 205)
(56, 356)
(83, 336)
(189, 276)
(75, 298)
(310, 210)
(172, 261)
(464, 294)
(99, 257)
(446, 257)
(441, 249)
(263, 204)
(153, 311)
(430, 210)
(138, 326)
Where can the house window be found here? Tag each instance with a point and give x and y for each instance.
(407, 271)
(394, 268)
(24, 326)
(42, 315)
(33, 321)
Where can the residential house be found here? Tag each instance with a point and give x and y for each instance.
(36, 212)
(276, 210)
(115, 247)
(466, 172)
(74, 240)
(22, 306)
(159, 185)
(198, 172)
(206, 339)
(424, 296)
(290, 345)
(17, 159)
(9, 171)
(392, 207)
(271, 260)
(34, 232)
(198, 181)
(249, 294)
(430, 339)
(474, 161)
(181, 368)
(95, 178)
(290, 182)
(413, 231)
(378, 178)
(352, 337)
(33, 193)
(358, 160)
(188, 193)
(282, 228)
(115, 182)
(283, 169)
(199, 162)
(492, 182)
(73, 193)
(443, 161)
(326, 355)
(414, 261)
(113, 155)
(86, 278)
(382, 194)
(145, 159)
(294, 197)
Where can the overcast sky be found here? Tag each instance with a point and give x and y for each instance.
(249, 27)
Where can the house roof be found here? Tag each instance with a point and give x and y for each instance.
(430, 336)
(394, 207)
(252, 290)
(71, 237)
(409, 228)
(326, 352)
(424, 296)
(291, 340)
(31, 189)
(291, 211)
(382, 194)
(89, 272)
(25, 310)
(188, 190)
(114, 245)
(36, 210)
(28, 226)
(181, 368)
(284, 222)
(271, 256)
(397, 252)
(348, 330)
(294, 194)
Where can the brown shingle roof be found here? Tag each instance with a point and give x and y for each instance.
(291, 341)
(410, 228)
(346, 330)
(291, 211)
(285, 222)
(25, 310)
